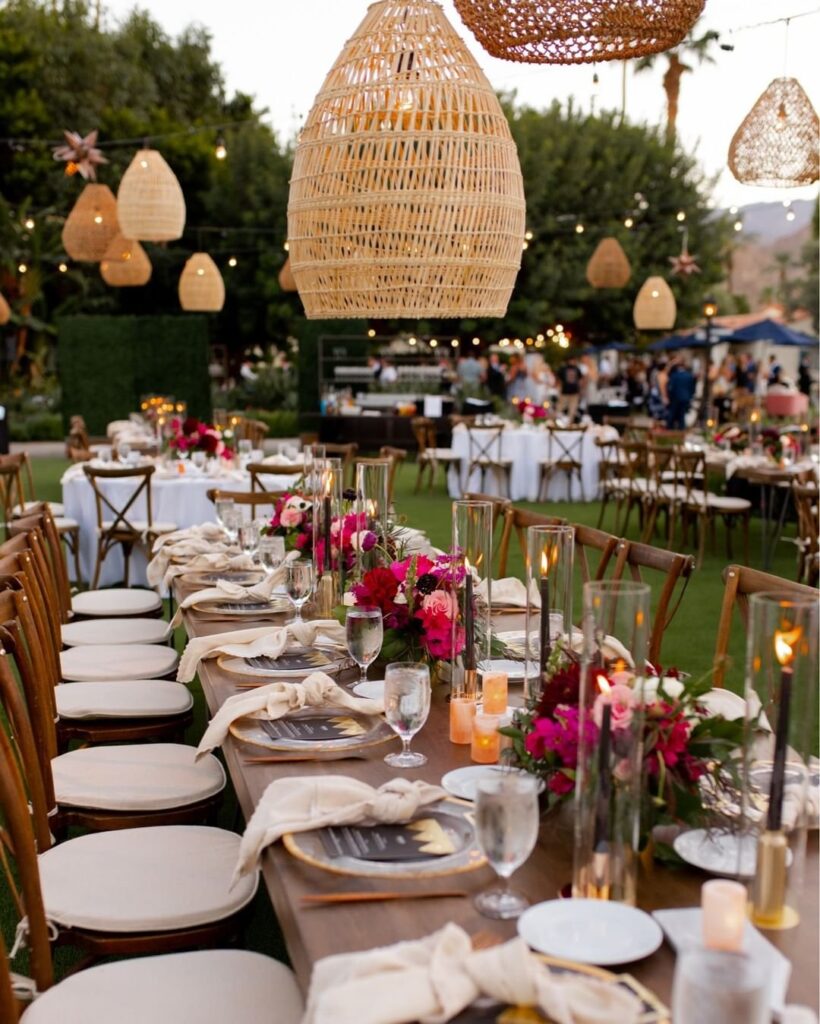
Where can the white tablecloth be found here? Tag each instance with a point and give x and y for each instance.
(176, 498)
(528, 447)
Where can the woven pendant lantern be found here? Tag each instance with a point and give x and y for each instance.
(286, 281)
(608, 266)
(776, 143)
(5, 311)
(201, 288)
(406, 197)
(578, 31)
(91, 225)
(150, 201)
(655, 308)
(126, 264)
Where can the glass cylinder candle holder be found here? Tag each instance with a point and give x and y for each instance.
(328, 535)
(485, 744)
(370, 507)
(471, 554)
(780, 727)
(494, 693)
(608, 781)
(550, 552)
(311, 454)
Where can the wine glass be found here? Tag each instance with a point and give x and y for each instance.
(231, 521)
(365, 632)
(249, 537)
(715, 987)
(199, 459)
(299, 584)
(506, 828)
(123, 451)
(270, 553)
(406, 707)
(221, 506)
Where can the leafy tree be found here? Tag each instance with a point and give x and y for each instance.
(810, 261)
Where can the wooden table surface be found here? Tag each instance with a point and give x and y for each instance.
(314, 932)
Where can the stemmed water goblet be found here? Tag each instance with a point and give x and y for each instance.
(299, 585)
(506, 827)
(249, 537)
(406, 707)
(270, 553)
(364, 632)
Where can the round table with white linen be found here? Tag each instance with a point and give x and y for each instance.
(527, 447)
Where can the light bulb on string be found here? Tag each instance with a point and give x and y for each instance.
(628, 222)
(790, 215)
(232, 261)
(63, 267)
(28, 224)
(738, 225)
(579, 229)
(22, 268)
(680, 216)
(371, 333)
(221, 150)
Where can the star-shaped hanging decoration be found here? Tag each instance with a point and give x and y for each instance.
(81, 154)
(684, 264)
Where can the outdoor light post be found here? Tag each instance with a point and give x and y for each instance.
(710, 309)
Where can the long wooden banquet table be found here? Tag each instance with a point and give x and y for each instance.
(313, 932)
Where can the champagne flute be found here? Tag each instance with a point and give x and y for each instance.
(506, 827)
(299, 585)
(715, 987)
(365, 632)
(270, 553)
(249, 537)
(406, 707)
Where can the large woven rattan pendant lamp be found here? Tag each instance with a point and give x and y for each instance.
(150, 201)
(655, 308)
(201, 288)
(578, 31)
(776, 144)
(406, 198)
(608, 266)
(91, 225)
(286, 281)
(126, 264)
(5, 311)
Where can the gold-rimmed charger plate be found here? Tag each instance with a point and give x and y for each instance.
(316, 659)
(244, 610)
(363, 732)
(455, 818)
(210, 577)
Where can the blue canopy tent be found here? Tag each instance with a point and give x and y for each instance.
(677, 341)
(776, 333)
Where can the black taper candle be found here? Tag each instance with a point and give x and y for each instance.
(545, 644)
(328, 562)
(469, 622)
(601, 836)
(781, 742)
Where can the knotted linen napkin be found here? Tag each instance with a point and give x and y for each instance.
(508, 592)
(185, 547)
(302, 803)
(282, 698)
(225, 592)
(433, 979)
(216, 561)
(254, 643)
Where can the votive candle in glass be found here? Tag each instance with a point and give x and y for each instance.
(723, 912)
(485, 747)
(494, 693)
(462, 713)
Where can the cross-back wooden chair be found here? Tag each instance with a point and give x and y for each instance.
(706, 508)
(661, 491)
(594, 550)
(634, 561)
(261, 472)
(500, 506)
(564, 455)
(254, 500)
(517, 521)
(429, 456)
(739, 583)
(347, 453)
(807, 502)
(125, 529)
(486, 456)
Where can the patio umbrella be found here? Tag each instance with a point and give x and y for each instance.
(677, 341)
(776, 333)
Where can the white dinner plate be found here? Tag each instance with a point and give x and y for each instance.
(463, 782)
(371, 688)
(719, 853)
(514, 669)
(599, 932)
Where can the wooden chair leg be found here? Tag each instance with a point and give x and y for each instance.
(701, 528)
(604, 502)
(419, 477)
(98, 566)
(126, 554)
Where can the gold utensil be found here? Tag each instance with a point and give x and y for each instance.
(290, 758)
(318, 899)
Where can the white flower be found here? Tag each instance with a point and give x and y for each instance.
(672, 689)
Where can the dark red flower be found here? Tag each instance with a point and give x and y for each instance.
(378, 588)
(563, 688)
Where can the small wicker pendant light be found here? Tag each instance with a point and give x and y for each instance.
(125, 264)
(286, 281)
(578, 31)
(150, 201)
(5, 310)
(201, 288)
(776, 143)
(91, 225)
(655, 308)
(406, 197)
(608, 266)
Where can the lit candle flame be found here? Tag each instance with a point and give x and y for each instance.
(784, 644)
(548, 559)
(603, 684)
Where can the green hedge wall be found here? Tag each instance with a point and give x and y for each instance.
(107, 363)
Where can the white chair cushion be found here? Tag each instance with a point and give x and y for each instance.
(65, 523)
(100, 662)
(116, 601)
(211, 986)
(56, 507)
(143, 879)
(135, 777)
(440, 453)
(132, 698)
(115, 631)
(141, 525)
(721, 504)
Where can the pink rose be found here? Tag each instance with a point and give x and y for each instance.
(622, 700)
(290, 517)
(440, 602)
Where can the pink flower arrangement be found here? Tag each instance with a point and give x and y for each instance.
(349, 534)
(292, 519)
(192, 435)
(530, 411)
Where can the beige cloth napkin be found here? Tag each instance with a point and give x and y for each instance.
(302, 803)
(508, 592)
(186, 548)
(435, 978)
(253, 643)
(212, 562)
(234, 593)
(204, 531)
(282, 698)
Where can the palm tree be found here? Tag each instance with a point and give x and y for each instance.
(700, 49)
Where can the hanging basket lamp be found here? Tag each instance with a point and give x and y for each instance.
(91, 225)
(578, 31)
(655, 308)
(406, 197)
(776, 144)
(286, 281)
(608, 266)
(5, 311)
(150, 201)
(126, 264)
(201, 288)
